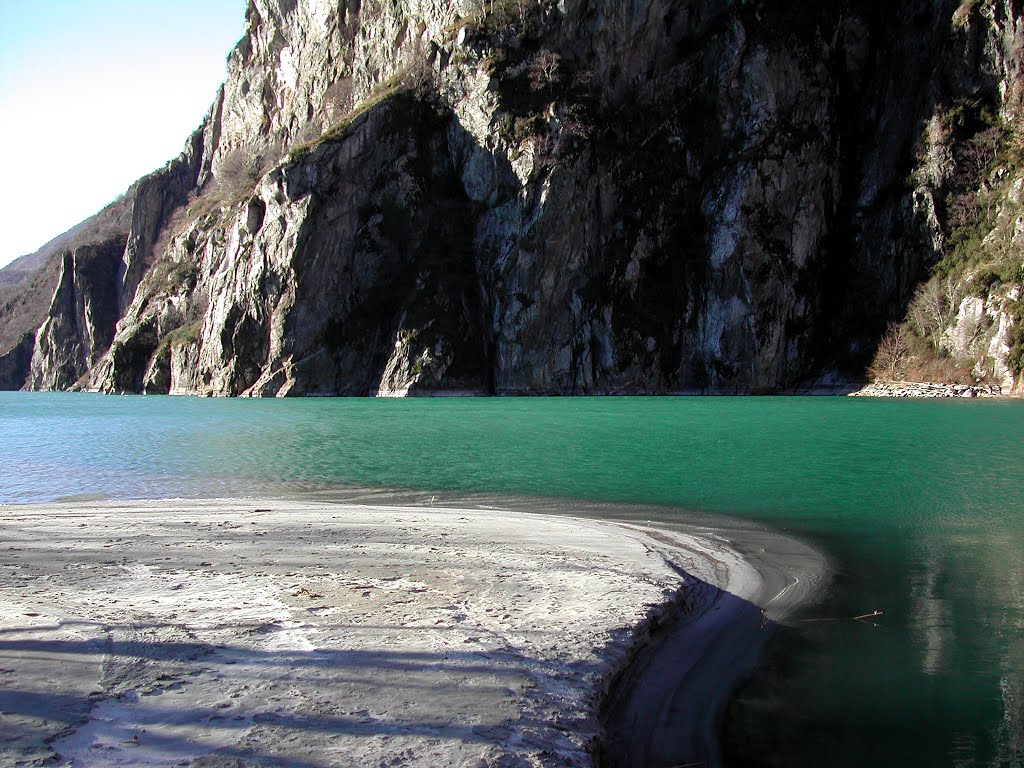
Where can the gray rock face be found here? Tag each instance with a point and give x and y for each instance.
(347, 272)
(16, 362)
(405, 197)
(82, 317)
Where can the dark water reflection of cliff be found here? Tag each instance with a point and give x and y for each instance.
(937, 680)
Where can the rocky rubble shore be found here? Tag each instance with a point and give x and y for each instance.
(927, 389)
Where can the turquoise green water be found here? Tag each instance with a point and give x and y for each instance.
(919, 504)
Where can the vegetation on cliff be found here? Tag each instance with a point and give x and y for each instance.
(963, 324)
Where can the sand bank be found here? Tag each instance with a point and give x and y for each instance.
(303, 633)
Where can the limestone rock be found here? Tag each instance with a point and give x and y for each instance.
(412, 197)
(82, 316)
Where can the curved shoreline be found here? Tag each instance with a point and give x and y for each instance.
(666, 707)
(333, 634)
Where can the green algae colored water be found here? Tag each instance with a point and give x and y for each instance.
(918, 504)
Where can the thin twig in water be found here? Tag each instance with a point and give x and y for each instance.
(871, 615)
(868, 615)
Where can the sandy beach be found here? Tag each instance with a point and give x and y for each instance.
(306, 633)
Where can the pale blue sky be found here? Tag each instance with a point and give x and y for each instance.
(95, 94)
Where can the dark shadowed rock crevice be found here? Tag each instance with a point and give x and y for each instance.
(82, 316)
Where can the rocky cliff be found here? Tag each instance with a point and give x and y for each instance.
(584, 196)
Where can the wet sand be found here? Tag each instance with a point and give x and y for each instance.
(308, 633)
(666, 709)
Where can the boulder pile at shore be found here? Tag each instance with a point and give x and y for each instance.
(927, 389)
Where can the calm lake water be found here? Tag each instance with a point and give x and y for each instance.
(919, 504)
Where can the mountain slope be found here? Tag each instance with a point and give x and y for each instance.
(521, 197)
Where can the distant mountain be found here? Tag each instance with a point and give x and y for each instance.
(114, 219)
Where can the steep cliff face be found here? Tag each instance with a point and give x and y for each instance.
(24, 305)
(80, 324)
(347, 272)
(964, 323)
(516, 197)
(28, 284)
(60, 306)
